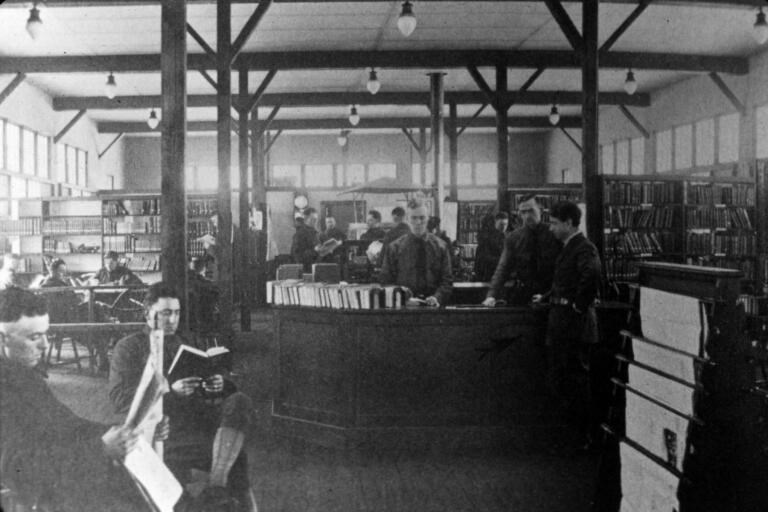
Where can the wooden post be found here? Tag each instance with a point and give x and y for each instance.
(453, 150)
(502, 142)
(223, 129)
(260, 202)
(593, 192)
(436, 99)
(423, 154)
(173, 237)
(246, 286)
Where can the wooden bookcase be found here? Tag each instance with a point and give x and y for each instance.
(546, 195)
(705, 221)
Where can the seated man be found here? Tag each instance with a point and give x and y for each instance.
(115, 273)
(58, 277)
(202, 416)
(49, 456)
(374, 227)
(419, 261)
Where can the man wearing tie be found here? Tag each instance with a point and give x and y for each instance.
(419, 261)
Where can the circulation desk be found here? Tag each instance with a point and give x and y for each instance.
(349, 371)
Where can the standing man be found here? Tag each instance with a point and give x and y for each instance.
(374, 227)
(528, 257)
(401, 227)
(419, 261)
(490, 245)
(571, 325)
(305, 239)
(208, 419)
(330, 252)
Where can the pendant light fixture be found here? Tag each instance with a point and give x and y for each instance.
(760, 28)
(554, 116)
(343, 138)
(34, 23)
(354, 117)
(406, 22)
(630, 84)
(153, 121)
(110, 88)
(373, 84)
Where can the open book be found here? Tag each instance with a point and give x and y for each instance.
(193, 362)
(328, 247)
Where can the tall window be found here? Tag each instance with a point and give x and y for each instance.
(728, 134)
(13, 147)
(486, 174)
(318, 176)
(28, 158)
(664, 151)
(286, 176)
(606, 158)
(622, 157)
(355, 175)
(684, 147)
(43, 162)
(705, 142)
(464, 173)
(761, 118)
(637, 149)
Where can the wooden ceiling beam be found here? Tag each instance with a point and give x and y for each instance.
(392, 59)
(343, 123)
(642, 6)
(344, 98)
(565, 23)
(109, 3)
(248, 29)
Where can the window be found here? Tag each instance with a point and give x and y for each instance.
(355, 174)
(637, 150)
(664, 151)
(13, 147)
(207, 177)
(33, 189)
(486, 174)
(286, 176)
(705, 142)
(18, 188)
(728, 138)
(318, 176)
(61, 163)
(376, 171)
(2, 146)
(43, 164)
(71, 165)
(684, 147)
(28, 159)
(82, 168)
(416, 174)
(761, 119)
(606, 158)
(622, 157)
(464, 173)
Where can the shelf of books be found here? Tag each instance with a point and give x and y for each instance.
(546, 195)
(131, 227)
(23, 235)
(295, 292)
(201, 214)
(71, 231)
(695, 220)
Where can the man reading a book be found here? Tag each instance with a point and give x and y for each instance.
(49, 457)
(419, 261)
(206, 414)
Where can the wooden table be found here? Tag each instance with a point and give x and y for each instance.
(97, 337)
(340, 373)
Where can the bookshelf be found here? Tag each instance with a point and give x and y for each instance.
(71, 231)
(706, 221)
(131, 226)
(200, 213)
(546, 195)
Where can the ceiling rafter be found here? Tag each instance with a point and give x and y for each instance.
(393, 59)
(320, 99)
(108, 3)
(343, 123)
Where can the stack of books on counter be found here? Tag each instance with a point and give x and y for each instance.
(296, 292)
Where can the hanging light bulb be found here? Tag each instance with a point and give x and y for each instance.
(34, 23)
(554, 116)
(373, 84)
(760, 28)
(406, 22)
(153, 121)
(110, 88)
(343, 138)
(630, 84)
(354, 117)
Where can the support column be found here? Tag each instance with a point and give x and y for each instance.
(502, 142)
(593, 192)
(436, 99)
(246, 245)
(423, 154)
(223, 130)
(260, 202)
(453, 150)
(173, 220)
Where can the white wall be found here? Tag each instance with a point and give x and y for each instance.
(30, 107)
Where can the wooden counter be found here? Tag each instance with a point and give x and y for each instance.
(363, 370)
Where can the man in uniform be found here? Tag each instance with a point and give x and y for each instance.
(331, 232)
(115, 273)
(374, 227)
(305, 239)
(529, 257)
(401, 227)
(419, 261)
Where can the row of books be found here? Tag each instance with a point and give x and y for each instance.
(717, 193)
(143, 263)
(295, 292)
(546, 201)
(622, 269)
(719, 243)
(723, 218)
(202, 207)
(138, 224)
(28, 226)
(121, 207)
(754, 305)
(639, 243)
(62, 247)
(72, 226)
(642, 217)
(130, 243)
(470, 220)
(198, 228)
(641, 192)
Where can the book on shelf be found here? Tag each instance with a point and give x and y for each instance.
(295, 292)
(193, 362)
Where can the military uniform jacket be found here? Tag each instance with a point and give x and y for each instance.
(577, 273)
(400, 266)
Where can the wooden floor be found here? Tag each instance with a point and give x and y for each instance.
(289, 477)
